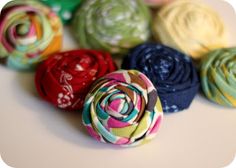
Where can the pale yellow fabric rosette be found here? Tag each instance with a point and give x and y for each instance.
(190, 26)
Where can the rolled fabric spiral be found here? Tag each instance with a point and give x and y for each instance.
(65, 78)
(156, 2)
(218, 76)
(29, 32)
(123, 108)
(64, 8)
(189, 26)
(171, 72)
(112, 25)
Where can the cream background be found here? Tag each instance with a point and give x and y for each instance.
(33, 134)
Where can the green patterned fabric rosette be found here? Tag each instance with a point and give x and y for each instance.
(112, 25)
(218, 76)
(64, 8)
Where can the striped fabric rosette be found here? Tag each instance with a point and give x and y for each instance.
(112, 25)
(123, 108)
(218, 76)
(29, 32)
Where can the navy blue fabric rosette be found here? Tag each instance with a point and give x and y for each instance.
(171, 71)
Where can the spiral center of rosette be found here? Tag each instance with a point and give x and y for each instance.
(22, 29)
(24, 33)
(163, 68)
(234, 69)
(117, 105)
(112, 13)
(193, 19)
(159, 66)
(117, 14)
(230, 67)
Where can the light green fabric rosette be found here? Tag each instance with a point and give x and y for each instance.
(111, 25)
(218, 76)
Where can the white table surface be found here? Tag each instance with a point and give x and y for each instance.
(33, 134)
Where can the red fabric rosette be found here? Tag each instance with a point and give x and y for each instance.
(65, 78)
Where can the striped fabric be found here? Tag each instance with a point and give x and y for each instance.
(29, 33)
(218, 76)
(123, 108)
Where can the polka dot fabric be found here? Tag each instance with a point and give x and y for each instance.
(65, 78)
(29, 32)
(64, 8)
(123, 108)
(171, 72)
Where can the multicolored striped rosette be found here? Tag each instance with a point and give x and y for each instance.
(29, 32)
(123, 108)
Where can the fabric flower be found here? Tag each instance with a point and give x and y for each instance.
(171, 72)
(218, 76)
(111, 25)
(65, 78)
(189, 26)
(64, 100)
(29, 32)
(123, 108)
